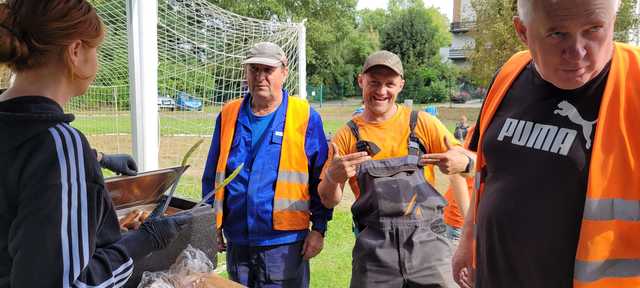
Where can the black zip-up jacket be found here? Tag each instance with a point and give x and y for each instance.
(58, 227)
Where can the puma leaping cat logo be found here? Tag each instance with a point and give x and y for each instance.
(566, 109)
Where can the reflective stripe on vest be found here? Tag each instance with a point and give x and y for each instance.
(608, 253)
(228, 119)
(291, 199)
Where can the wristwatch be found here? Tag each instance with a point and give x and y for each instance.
(470, 164)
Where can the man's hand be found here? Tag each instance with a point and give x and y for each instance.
(453, 161)
(342, 168)
(312, 246)
(462, 262)
(119, 163)
(222, 247)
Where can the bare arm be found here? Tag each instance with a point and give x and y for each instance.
(463, 257)
(330, 192)
(340, 169)
(471, 155)
(460, 192)
(453, 161)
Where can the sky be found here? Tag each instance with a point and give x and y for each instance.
(445, 6)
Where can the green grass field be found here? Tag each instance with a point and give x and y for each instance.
(332, 268)
(334, 115)
(170, 124)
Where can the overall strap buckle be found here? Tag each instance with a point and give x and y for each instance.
(363, 145)
(415, 146)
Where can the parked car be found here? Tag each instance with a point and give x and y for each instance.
(188, 102)
(461, 97)
(165, 102)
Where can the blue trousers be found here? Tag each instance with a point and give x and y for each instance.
(268, 266)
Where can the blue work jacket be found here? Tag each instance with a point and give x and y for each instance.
(248, 203)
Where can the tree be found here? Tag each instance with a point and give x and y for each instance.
(371, 22)
(626, 21)
(331, 39)
(263, 9)
(339, 38)
(416, 34)
(497, 40)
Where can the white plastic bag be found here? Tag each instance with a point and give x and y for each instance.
(190, 266)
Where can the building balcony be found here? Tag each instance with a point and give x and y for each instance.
(459, 54)
(461, 27)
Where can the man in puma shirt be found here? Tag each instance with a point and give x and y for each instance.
(536, 142)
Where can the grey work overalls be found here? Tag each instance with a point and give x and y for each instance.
(401, 234)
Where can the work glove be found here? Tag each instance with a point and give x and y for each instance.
(119, 163)
(164, 230)
(154, 234)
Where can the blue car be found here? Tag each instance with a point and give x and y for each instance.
(358, 110)
(188, 102)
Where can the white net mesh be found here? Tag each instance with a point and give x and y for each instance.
(200, 47)
(635, 33)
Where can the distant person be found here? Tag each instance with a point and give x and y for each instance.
(458, 197)
(265, 213)
(558, 154)
(58, 227)
(401, 237)
(462, 127)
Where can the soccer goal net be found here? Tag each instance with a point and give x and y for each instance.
(200, 49)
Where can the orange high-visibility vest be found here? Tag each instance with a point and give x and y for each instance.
(291, 199)
(608, 252)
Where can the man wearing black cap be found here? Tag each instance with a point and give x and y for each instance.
(265, 212)
(401, 239)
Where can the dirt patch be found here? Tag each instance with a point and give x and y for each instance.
(446, 114)
(172, 149)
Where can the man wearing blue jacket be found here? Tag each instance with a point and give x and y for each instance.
(265, 212)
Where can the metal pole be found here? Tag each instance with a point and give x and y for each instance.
(302, 60)
(142, 21)
(321, 94)
(637, 28)
(115, 100)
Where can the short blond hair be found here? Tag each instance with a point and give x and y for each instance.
(524, 9)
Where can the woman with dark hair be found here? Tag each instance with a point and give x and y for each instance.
(58, 227)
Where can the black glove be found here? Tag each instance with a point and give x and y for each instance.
(154, 234)
(164, 230)
(119, 163)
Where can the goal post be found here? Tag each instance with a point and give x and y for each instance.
(197, 67)
(302, 56)
(142, 34)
